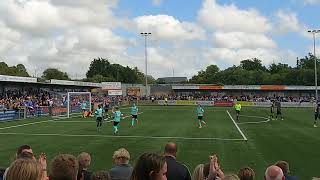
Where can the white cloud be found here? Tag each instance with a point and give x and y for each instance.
(168, 28)
(242, 40)
(286, 22)
(230, 18)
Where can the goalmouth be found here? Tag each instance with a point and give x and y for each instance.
(75, 98)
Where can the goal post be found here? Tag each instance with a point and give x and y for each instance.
(74, 99)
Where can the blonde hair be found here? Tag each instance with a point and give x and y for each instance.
(231, 177)
(84, 159)
(121, 153)
(198, 173)
(24, 169)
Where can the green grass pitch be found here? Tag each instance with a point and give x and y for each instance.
(293, 140)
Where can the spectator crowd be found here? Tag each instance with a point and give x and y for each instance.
(149, 166)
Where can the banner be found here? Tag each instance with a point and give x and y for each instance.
(246, 103)
(8, 115)
(187, 103)
(115, 92)
(223, 104)
(133, 91)
(111, 85)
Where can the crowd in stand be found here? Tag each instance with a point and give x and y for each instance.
(149, 166)
(14, 100)
(241, 98)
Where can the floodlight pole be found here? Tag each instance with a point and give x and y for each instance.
(146, 34)
(314, 32)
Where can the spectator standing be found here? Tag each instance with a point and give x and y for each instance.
(122, 170)
(64, 167)
(274, 173)
(246, 174)
(150, 166)
(285, 169)
(176, 170)
(84, 160)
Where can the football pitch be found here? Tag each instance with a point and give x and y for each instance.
(255, 141)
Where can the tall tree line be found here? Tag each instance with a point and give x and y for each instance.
(252, 72)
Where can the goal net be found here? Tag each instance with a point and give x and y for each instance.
(78, 101)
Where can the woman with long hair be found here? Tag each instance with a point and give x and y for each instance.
(150, 166)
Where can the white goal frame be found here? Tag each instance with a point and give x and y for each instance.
(77, 93)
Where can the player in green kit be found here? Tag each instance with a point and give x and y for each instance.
(134, 114)
(83, 108)
(116, 120)
(99, 113)
(237, 107)
(200, 112)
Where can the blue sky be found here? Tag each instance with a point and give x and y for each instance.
(187, 35)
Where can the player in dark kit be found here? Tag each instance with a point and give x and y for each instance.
(279, 113)
(272, 115)
(316, 115)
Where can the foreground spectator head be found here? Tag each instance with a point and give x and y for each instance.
(84, 160)
(231, 177)
(284, 167)
(170, 149)
(274, 173)
(101, 175)
(26, 155)
(246, 174)
(24, 169)
(198, 173)
(64, 167)
(121, 156)
(150, 166)
(175, 170)
(122, 170)
(24, 148)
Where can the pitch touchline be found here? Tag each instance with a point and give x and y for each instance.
(110, 136)
(242, 134)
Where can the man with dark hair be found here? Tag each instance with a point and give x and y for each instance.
(24, 148)
(176, 171)
(285, 169)
(64, 167)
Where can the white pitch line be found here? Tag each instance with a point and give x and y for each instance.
(255, 122)
(259, 122)
(242, 134)
(26, 124)
(254, 117)
(110, 136)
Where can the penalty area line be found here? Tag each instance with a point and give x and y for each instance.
(127, 137)
(259, 122)
(242, 134)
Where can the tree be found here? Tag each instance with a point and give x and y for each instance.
(52, 73)
(115, 72)
(252, 64)
(278, 68)
(18, 70)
